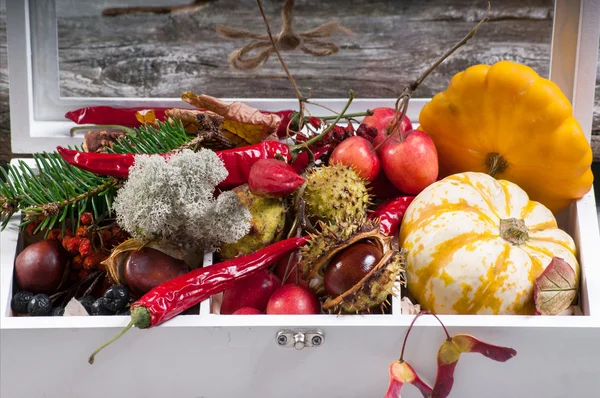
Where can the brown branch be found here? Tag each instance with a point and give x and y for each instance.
(53, 208)
(409, 90)
(299, 95)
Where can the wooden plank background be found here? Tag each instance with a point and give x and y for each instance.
(150, 55)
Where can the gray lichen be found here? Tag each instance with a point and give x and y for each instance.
(173, 200)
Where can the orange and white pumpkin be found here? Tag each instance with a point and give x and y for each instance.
(475, 245)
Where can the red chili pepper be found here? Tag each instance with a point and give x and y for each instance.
(273, 178)
(109, 164)
(110, 115)
(175, 296)
(390, 214)
(288, 115)
(285, 116)
(302, 159)
(237, 161)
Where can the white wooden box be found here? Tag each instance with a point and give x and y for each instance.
(212, 356)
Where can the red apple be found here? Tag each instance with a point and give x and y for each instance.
(358, 153)
(381, 119)
(290, 277)
(293, 299)
(247, 311)
(253, 291)
(410, 161)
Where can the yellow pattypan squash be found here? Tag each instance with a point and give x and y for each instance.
(507, 121)
(475, 245)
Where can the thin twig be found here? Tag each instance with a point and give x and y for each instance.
(424, 312)
(322, 106)
(443, 326)
(53, 208)
(92, 286)
(337, 119)
(350, 115)
(408, 332)
(408, 91)
(76, 285)
(287, 72)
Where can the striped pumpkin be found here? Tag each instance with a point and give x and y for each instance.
(475, 245)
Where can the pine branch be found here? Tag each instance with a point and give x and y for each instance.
(57, 192)
(148, 139)
(171, 136)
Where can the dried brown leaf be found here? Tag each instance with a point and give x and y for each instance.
(74, 308)
(556, 288)
(408, 308)
(146, 116)
(241, 119)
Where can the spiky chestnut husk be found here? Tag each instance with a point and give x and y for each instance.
(333, 238)
(335, 192)
(373, 290)
(266, 226)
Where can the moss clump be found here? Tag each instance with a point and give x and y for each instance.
(172, 200)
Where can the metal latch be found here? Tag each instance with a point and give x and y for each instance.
(300, 338)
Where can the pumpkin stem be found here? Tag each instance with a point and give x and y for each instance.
(514, 231)
(496, 163)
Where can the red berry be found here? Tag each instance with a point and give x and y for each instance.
(82, 231)
(91, 261)
(368, 133)
(314, 121)
(54, 234)
(71, 244)
(86, 218)
(77, 262)
(85, 247)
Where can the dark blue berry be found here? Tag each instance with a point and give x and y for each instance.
(117, 297)
(99, 307)
(58, 311)
(20, 301)
(86, 302)
(40, 305)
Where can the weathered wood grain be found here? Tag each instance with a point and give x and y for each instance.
(393, 42)
(5, 153)
(164, 55)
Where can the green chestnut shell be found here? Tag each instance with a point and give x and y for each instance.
(266, 226)
(335, 192)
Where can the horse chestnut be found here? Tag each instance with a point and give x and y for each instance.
(41, 266)
(349, 266)
(147, 268)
